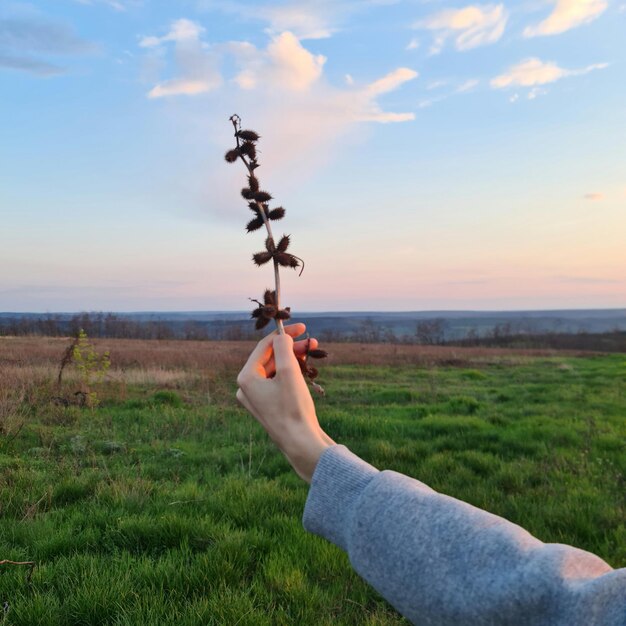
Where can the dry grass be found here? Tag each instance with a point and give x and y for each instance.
(231, 355)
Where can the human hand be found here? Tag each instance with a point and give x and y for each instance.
(272, 388)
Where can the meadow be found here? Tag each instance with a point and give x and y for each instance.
(168, 504)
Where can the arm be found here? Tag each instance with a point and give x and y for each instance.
(437, 560)
(440, 561)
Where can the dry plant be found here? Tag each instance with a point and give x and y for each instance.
(277, 252)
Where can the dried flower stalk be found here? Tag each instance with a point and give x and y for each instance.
(270, 308)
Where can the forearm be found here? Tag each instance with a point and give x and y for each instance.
(442, 561)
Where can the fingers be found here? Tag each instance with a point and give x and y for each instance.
(300, 350)
(263, 352)
(283, 355)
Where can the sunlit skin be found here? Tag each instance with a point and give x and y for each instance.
(272, 388)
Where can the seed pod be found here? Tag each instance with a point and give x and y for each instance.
(269, 245)
(247, 193)
(256, 312)
(283, 314)
(276, 214)
(232, 155)
(317, 353)
(262, 196)
(269, 297)
(254, 224)
(260, 258)
(262, 322)
(253, 183)
(283, 244)
(312, 372)
(248, 148)
(286, 260)
(248, 135)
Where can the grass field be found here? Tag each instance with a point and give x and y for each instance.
(168, 505)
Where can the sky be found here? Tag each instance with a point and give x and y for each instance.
(430, 155)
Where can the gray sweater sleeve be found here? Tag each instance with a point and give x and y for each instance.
(441, 561)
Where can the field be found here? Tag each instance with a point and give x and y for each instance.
(167, 504)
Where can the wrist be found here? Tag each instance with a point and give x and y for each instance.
(304, 455)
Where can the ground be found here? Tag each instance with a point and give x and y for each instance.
(167, 503)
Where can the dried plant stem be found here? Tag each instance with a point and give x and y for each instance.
(279, 323)
(30, 564)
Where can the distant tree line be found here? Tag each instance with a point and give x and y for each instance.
(124, 327)
(431, 332)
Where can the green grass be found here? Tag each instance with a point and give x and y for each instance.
(166, 509)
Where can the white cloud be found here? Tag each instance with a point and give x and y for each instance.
(114, 4)
(567, 14)
(179, 87)
(305, 20)
(470, 27)
(414, 44)
(181, 30)
(195, 61)
(535, 92)
(468, 85)
(285, 64)
(391, 81)
(533, 72)
(436, 84)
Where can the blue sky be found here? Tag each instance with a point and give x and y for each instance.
(430, 154)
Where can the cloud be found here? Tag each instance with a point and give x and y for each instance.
(182, 30)
(471, 26)
(468, 85)
(24, 40)
(391, 81)
(567, 14)
(197, 63)
(306, 19)
(534, 72)
(414, 44)
(179, 87)
(595, 196)
(436, 84)
(114, 4)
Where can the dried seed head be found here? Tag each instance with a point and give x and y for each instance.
(260, 258)
(317, 353)
(262, 322)
(253, 183)
(248, 148)
(312, 372)
(247, 193)
(283, 244)
(262, 196)
(283, 314)
(269, 245)
(254, 224)
(232, 155)
(248, 135)
(276, 214)
(286, 260)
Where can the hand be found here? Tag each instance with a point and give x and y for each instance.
(272, 388)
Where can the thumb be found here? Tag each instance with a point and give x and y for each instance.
(283, 354)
